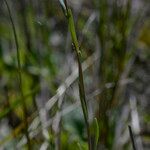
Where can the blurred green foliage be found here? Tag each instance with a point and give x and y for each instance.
(45, 48)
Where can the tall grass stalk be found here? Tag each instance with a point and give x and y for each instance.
(75, 44)
(20, 77)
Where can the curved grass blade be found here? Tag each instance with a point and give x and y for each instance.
(19, 76)
(96, 127)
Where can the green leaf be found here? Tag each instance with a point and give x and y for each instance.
(79, 146)
(96, 130)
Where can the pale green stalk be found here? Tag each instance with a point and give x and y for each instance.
(76, 47)
(81, 82)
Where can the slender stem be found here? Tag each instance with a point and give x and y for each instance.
(83, 100)
(81, 81)
(20, 77)
(132, 138)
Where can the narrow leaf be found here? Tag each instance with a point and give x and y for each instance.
(96, 131)
(62, 4)
(79, 146)
(132, 138)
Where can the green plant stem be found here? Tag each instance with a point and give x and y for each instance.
(20, 78)
(81, 82)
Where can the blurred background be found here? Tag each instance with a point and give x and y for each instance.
(44, 108)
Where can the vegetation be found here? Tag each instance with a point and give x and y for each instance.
(68, 74)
